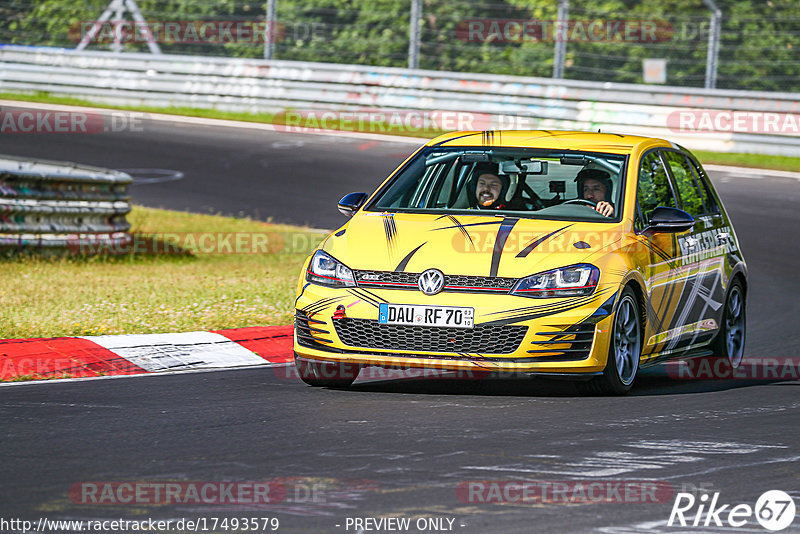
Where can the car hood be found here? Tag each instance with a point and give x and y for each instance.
(477, 245)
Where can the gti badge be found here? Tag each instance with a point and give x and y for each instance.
(431, 281)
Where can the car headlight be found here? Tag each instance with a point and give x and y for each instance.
(573, 281)
(326, 271)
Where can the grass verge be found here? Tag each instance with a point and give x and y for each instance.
(184, 272)
(783, 163)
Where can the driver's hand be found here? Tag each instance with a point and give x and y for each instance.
(604, 208)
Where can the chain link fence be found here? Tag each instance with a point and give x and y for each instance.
(604, 40)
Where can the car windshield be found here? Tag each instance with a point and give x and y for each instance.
(521, 182)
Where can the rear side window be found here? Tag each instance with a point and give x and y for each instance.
(705, 187)
(653, 190)
(694, 197)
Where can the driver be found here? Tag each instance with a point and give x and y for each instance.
(490, 188)
(595, 185)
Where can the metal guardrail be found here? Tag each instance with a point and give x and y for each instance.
(61, 205)
(260, 85)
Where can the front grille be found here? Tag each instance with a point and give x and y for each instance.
(569, 343)
(452, 282)
(367, 333)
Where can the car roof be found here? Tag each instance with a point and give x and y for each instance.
(550, 139)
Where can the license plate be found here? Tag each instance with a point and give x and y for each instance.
(420, 315)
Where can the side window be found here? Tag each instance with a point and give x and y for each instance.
(693, 196)
(705, 187)
(653, 189)
(444, 189)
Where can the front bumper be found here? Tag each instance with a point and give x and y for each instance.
(566, 336)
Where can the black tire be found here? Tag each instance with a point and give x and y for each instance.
(624, 350)
(326, 374)
(729, 344)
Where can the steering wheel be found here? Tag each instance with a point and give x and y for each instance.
(583, 201)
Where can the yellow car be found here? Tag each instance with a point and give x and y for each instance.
(556, 253)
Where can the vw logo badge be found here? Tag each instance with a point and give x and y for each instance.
(431, 281)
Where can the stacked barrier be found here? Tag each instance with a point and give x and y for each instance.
(56, 205)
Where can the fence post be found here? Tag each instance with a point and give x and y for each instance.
(414, 34)
(269, 30)
(560, 32)
(713, 44)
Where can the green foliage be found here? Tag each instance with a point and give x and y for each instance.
(759, 38)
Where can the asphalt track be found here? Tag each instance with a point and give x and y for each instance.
(399, 448)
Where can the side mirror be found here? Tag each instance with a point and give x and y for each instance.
(351, 202)
(669, 220)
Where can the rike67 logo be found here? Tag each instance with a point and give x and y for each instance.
(774, 510)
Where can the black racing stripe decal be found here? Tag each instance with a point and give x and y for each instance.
(656, 250)
(652, 315)
(390, 230)
(542, 307)
(500, 242)
(402, 265)
(373, 295)
(365, 298)
(488, 137)
(666, 301)
(320, 305)
(470, 224)
(530, 316)
(440, 143)
(549, 309)
(463, 230)
(538, 241)
(368, 296)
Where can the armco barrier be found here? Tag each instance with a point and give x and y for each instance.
(57, 205)
(259, 85)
